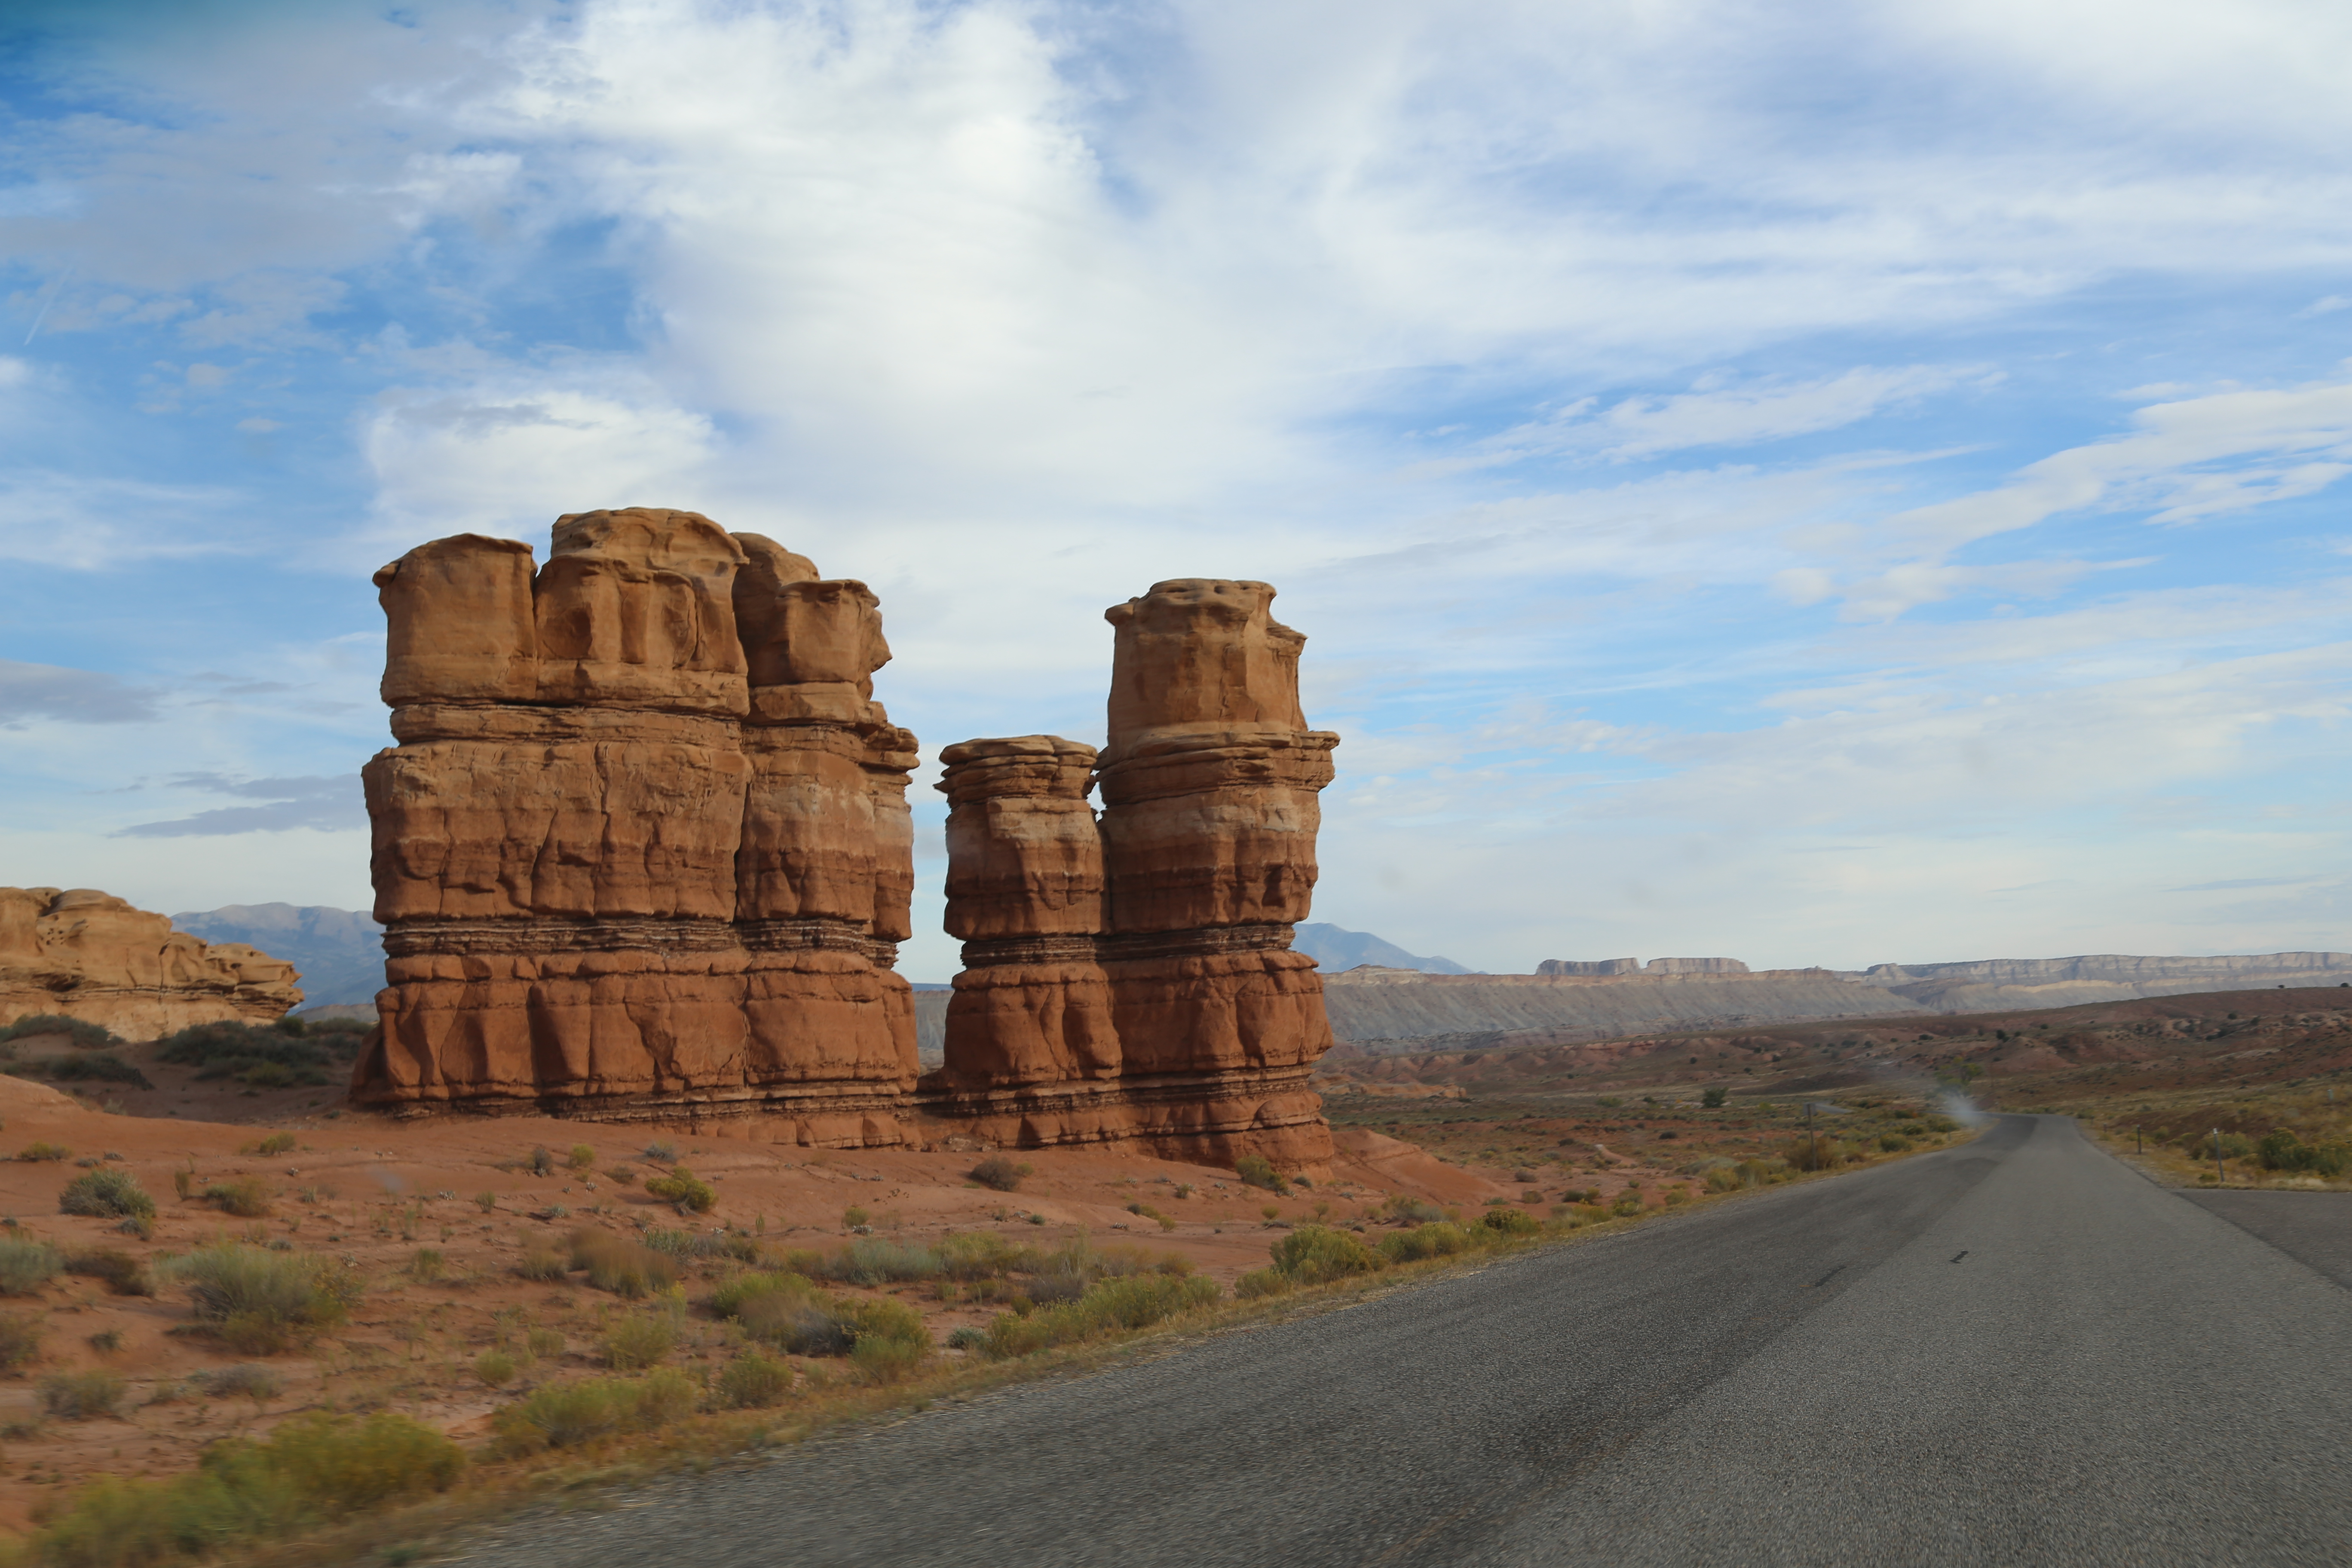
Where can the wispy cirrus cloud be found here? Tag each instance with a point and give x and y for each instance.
(329, 803)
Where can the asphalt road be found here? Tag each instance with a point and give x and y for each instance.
(2015, 1352)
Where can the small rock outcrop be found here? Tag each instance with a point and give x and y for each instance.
(643, 849)
(1133, 977)
(1593, 966)
(87, 954)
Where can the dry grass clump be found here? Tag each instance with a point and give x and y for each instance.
(247, 1197)
(640, 1341)
(1439, 1238)
(566, 1414)
(629, 1269)
(884, 1340)
(114, 1194)
(752, 1382)
(20, 1339)
(78, 1395)
(26, 1266)
(1110, 1306)
(260, 1302)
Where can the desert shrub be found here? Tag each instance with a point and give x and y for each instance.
(1724, 1179)
(106, 1193)
(685, 1244)
(1893, 1144)
(1000, 1172)
(1257, 1171)
(247, 1197)
(340, 1465)
(685, 1189)
(275, 1145)
(1313, 1253)
(260, 1302)
(1138, 1301)
(1262, 1282)
(1627, 1205)
(1942, 1124)
(20, 1339)
(570, 1414)
(583, 1158)
(90, 1036)
(627, 1268)
(39, 1152)
(1803, 1153)
(123, 1273)
(264, 1055)
(26, 1266)
(732, 1294)
(78, 1395)
(661, 1151)
(1437, 1239)
(752, 1382)
(103, 1068)
(981, 1255)
(1713, 1098)
(887, 1361)
(874, 1261)
(640, 1341)
(495, 1368)
(2282, 1150)
(1508, 1222)
(105, 1341)
(1414, 1211)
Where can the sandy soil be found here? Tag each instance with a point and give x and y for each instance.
(375, 1192)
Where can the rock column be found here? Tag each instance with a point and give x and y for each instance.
(624, 870)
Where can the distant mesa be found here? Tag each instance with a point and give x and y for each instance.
(1562, 966)
(85, 954)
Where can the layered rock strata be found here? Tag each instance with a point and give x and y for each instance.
(1133, 978)
(85, 954)
(642, 849)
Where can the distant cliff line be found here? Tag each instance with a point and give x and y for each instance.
(1393, 1007)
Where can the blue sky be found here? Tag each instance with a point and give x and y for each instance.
(1835, 484)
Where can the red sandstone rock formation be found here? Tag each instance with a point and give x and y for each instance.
(643, 849)
(85, 954)
(1204, 860)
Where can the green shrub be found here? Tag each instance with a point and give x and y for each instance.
(342, 1464)
(258, 1383)
(1262, 1282)
(123, 1273)
(1893, 1144)
(752, 1382)
(999, 1172)
(104, 1068)
(105, 1193)
(2282, 1150)
(888, 1360)
(583, 1157)
(20, 1339)
(640, 1341)
(264, 1055)
(275, 1145)
(1803, 1153)
(1440, 1239)
(570, 1414)
(495, 1368)
(261, 1301)
(39, 1152)
(247, 1197)
(88, 1036)
(981, 1255)
(1138, 1301)
(1415, 1211)
(544, 1344)
(685, 1189)
(1313, 1253)
(427, 1266)
(1713, 1098)
(1627, 1205)
(27, 1266)
(78, 1395)
(1257, 1171)
(627, 1268)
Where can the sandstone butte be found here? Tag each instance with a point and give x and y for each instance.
(643, 852)
(85, 954)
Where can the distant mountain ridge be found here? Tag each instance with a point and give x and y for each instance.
(339, 951)
(1336, 948)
